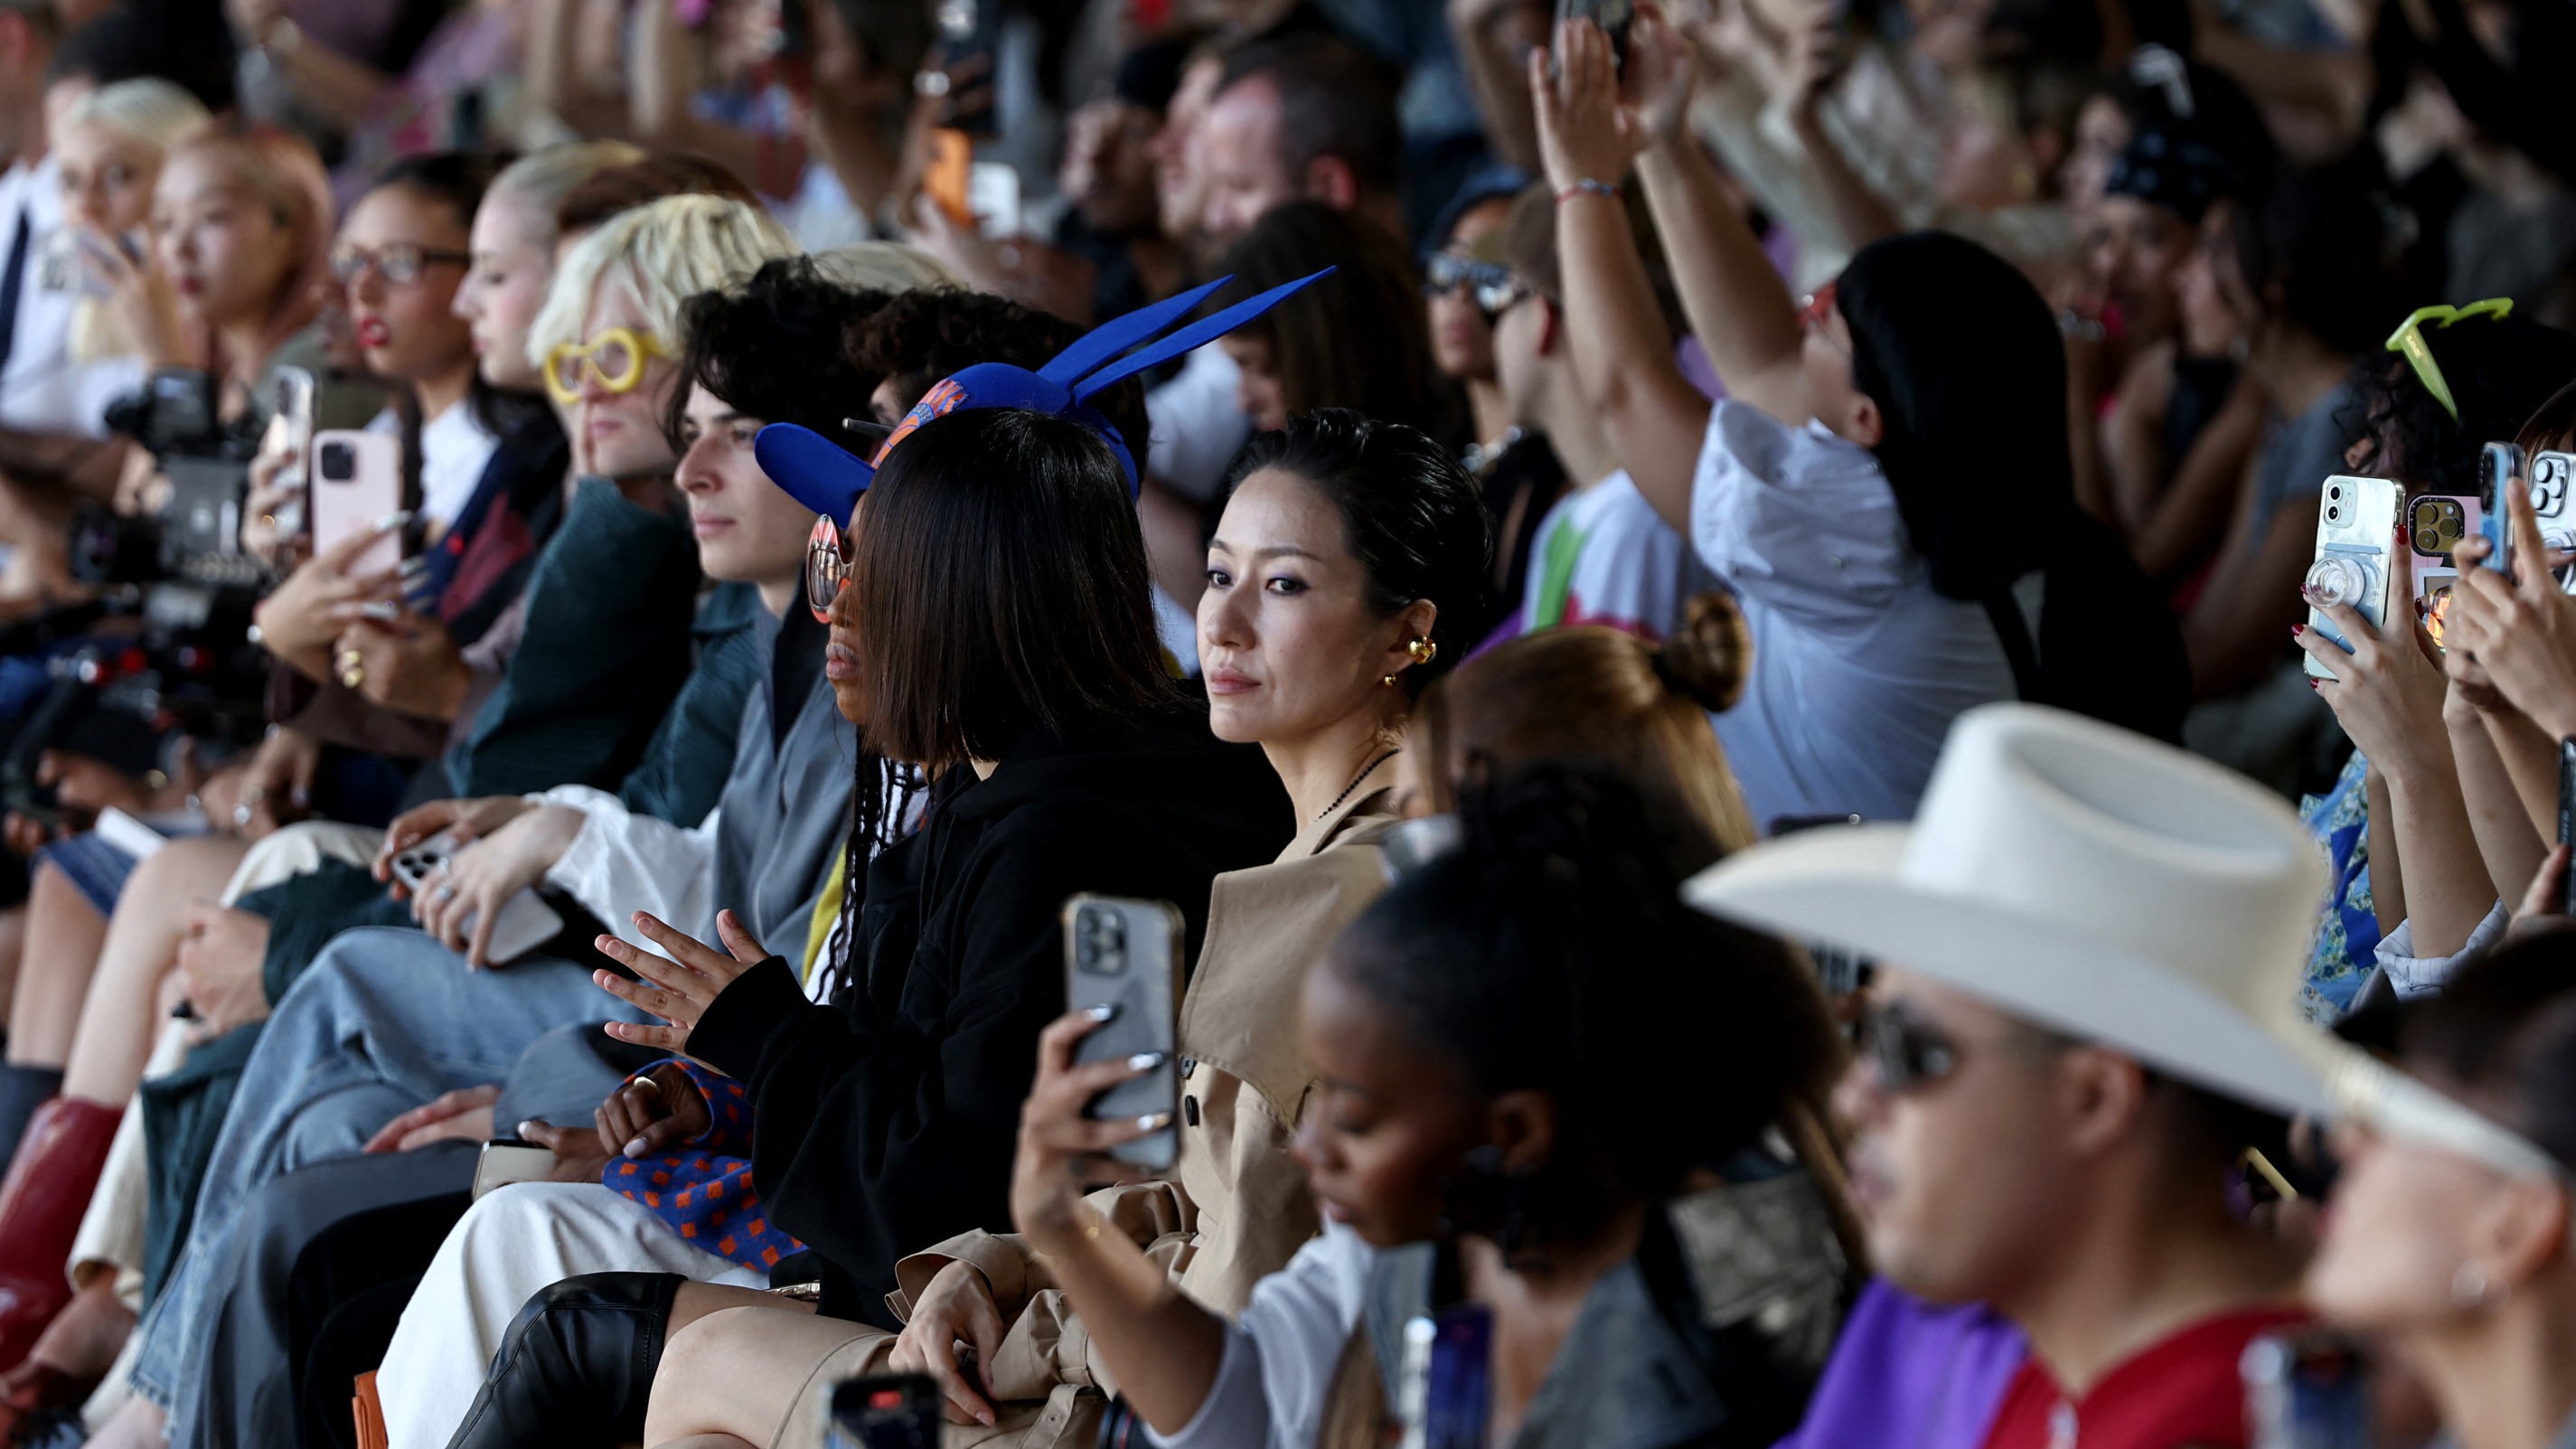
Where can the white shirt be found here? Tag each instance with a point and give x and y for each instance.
(1858, 666)
(41, 390)
(1277, 1374)
(454, 449)
(1197, 426)
(1604, 556)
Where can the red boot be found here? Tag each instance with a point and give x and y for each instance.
(41, 1203)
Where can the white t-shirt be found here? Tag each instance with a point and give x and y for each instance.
(454, 449)
(1604, 556)
(1858, 666)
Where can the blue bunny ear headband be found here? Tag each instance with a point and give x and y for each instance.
(829, 478)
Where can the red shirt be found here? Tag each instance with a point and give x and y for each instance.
(2182, 1393)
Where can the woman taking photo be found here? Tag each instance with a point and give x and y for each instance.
(1344, 546)
(1063, 759)
(2450, 1236)
(1474, 1143)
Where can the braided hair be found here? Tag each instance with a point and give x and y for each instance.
(1551, 951)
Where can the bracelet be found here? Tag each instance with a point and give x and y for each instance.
(1586, 187)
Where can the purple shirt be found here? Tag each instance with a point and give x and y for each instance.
(1907, 1375)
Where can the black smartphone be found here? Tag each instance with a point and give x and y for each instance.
(1447, 1393)
(1126, 955)
(970, 48)
(887, 1411)
(1613, 16)
(2307, 1390)
(2567, 821)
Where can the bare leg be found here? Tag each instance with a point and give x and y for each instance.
(736, 1372)
(123, 1012)
(64, 933)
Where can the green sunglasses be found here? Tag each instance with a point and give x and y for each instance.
(2408, 341)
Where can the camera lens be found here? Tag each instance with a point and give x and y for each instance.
(2333, 513)
(338, 461)
(2426, 540)
(2335, 492)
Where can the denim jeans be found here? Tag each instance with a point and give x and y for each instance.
(384, 1020)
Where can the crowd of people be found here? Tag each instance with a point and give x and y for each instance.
(1847, 726)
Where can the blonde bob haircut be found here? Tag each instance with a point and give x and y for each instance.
(150, 110)
(667, 251)
(544, 178)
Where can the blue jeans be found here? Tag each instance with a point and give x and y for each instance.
(384, 1020)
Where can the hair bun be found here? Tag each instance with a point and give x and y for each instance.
(1709, 658)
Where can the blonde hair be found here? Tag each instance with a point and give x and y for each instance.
(877, 266)
(282, 169)
(1606, 697)
(668, 251)
(157, 115)
(544, 178)
(150, 110)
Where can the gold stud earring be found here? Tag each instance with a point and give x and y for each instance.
(1423, 649)
(1387, 679)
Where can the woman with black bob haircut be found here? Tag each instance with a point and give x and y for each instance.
(1497, 1126)
(1362, 342)
(1930, 375)
(1344, 548)
(996, 608)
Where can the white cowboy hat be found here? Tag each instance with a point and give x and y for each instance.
(2081, 877)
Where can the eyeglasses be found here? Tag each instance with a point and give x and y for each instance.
(615, 358)
(1907, 1051)
(1493, 288)
(399, 263)
(2408, 340)
(827, 568)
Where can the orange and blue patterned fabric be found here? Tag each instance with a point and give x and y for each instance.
(703, 1190)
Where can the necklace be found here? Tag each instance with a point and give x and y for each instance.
(1355, 781)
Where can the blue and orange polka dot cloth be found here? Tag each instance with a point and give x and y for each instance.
(704, 1190)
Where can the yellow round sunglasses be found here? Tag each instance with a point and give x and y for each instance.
(615, 359)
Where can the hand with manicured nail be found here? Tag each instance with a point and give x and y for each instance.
(1064, 1152)
(678, 987)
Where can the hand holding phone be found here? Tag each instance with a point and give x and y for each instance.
(2353, 567)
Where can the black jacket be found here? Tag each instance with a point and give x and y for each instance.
(887, 1120)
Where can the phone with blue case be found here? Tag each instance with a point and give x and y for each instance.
(1446, 1398)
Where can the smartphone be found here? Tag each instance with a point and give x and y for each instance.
(526, 922)
(886, 1411)
(993, 199)
(970, 30)
(2550, 477)
(2356, 528)
(2307, 1390)
(1447, 1394)
(1613, 16)
(505, 1160)
(293, 410)
(357, 480)
(1127, 954)
(2435, 525)
(2567, 820)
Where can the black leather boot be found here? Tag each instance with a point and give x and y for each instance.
(576, 1369)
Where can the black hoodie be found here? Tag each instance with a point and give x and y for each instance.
(887, 1120)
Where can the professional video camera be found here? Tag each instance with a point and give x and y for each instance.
(195, 536)
(126, 698)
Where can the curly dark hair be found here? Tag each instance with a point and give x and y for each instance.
(917, 338)
(2500, 370)
(770, 346)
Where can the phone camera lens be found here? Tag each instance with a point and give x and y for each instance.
(2333, 513)
(338, 461)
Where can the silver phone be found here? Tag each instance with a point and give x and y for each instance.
(1127, 954)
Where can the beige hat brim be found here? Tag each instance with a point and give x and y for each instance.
(1845, 886)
